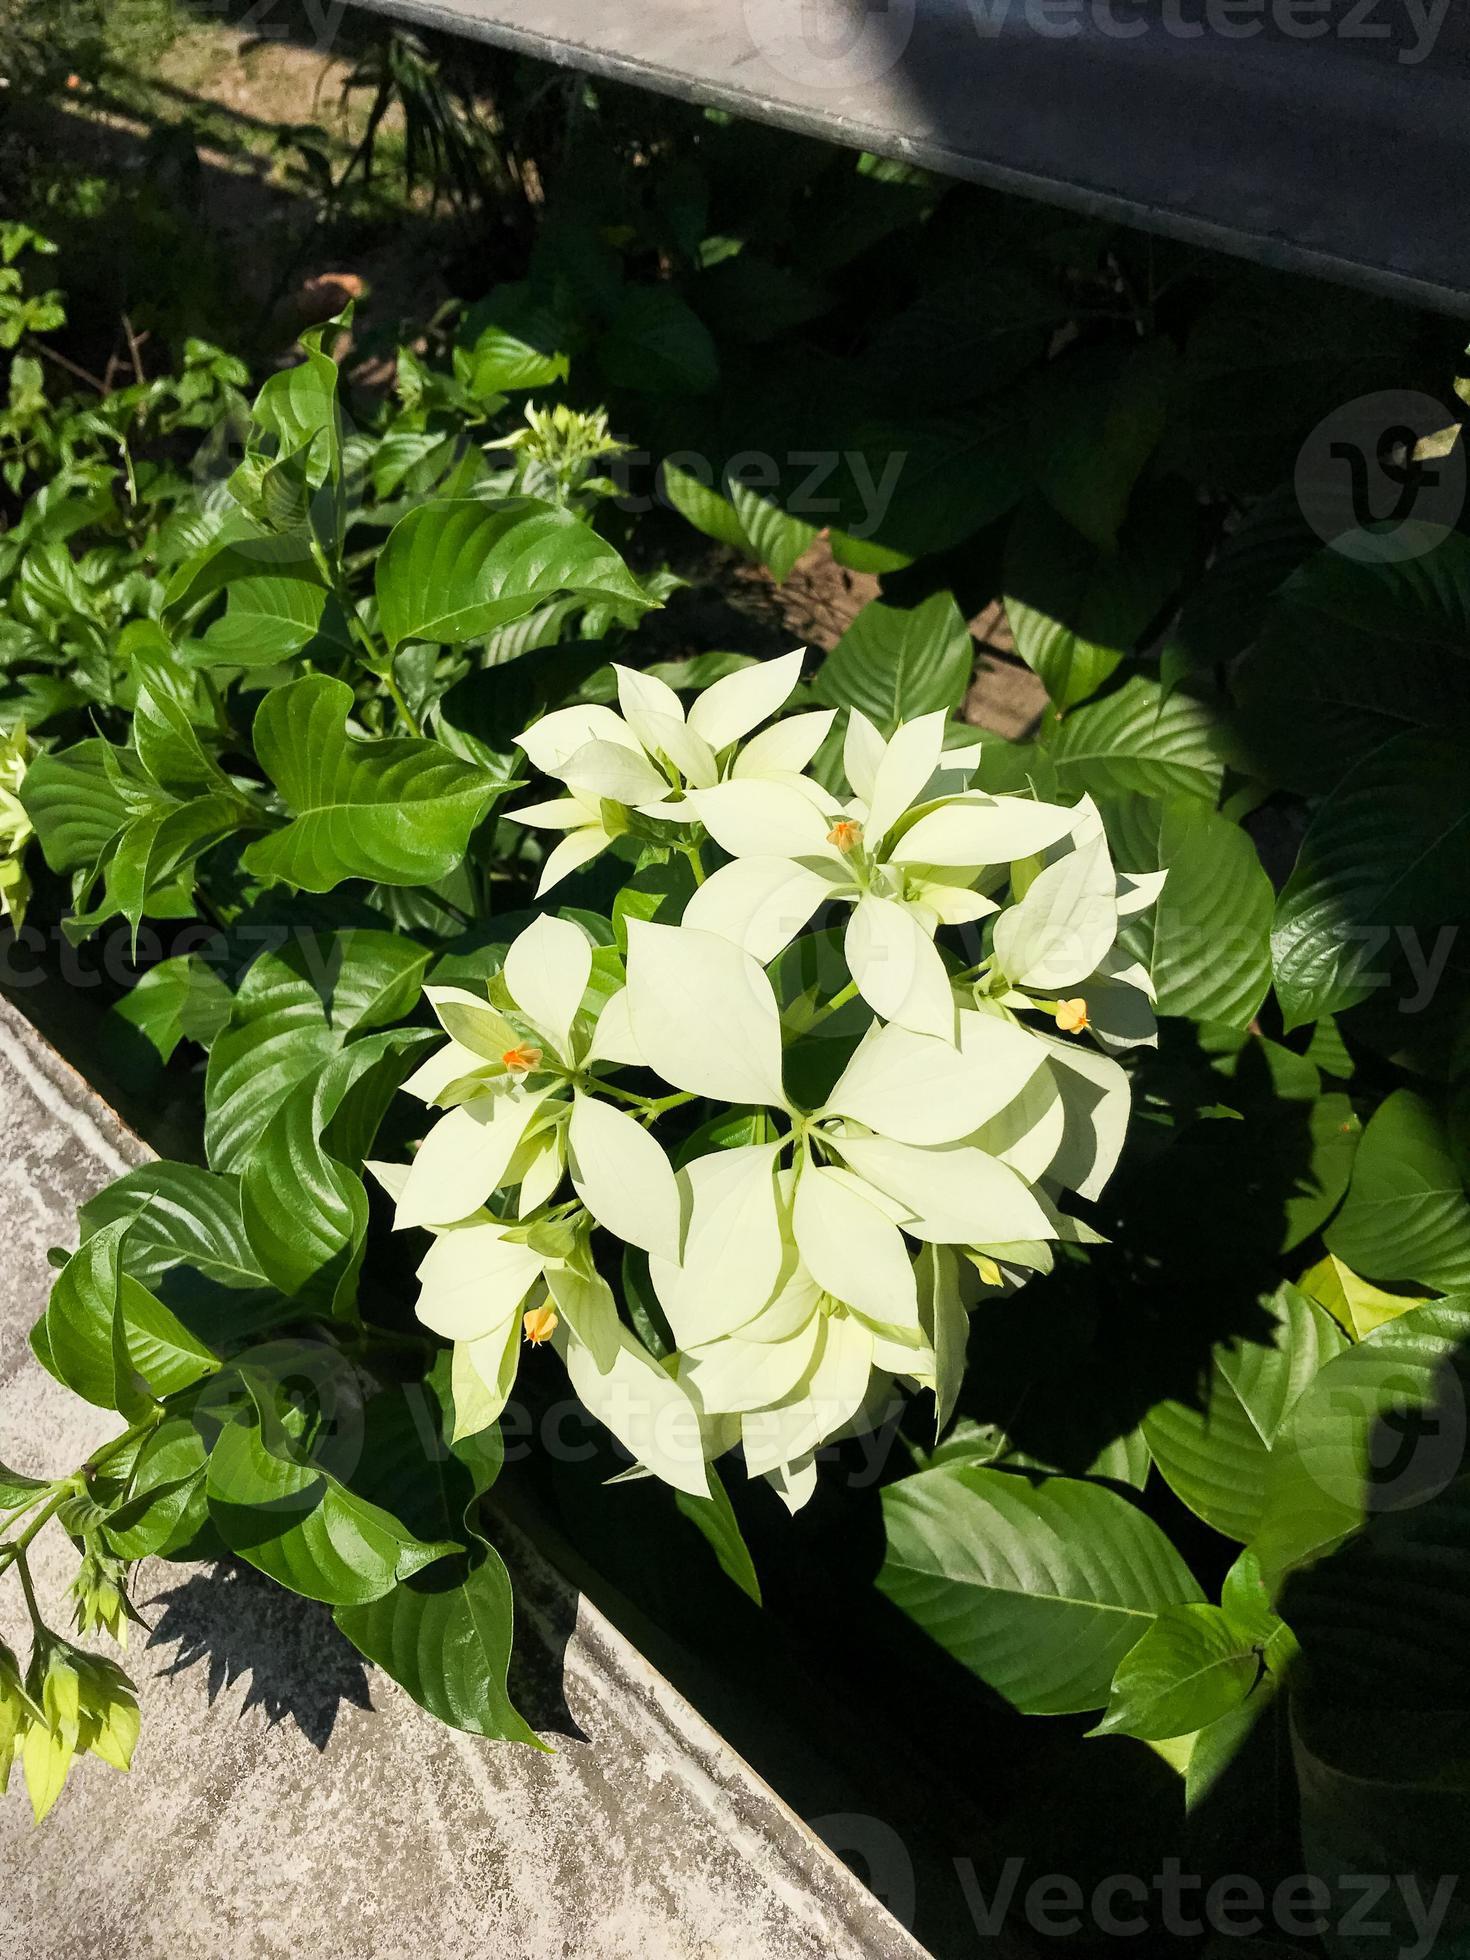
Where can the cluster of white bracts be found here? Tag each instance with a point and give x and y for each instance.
(803, 1272)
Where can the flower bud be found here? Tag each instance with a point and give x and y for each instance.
(540, 1323)
(100, 1592)
(1072, 1015)
(522, 1059)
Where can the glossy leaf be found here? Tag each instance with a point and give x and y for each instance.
(398, 811)
(1206, 941)
(1406, 1218)
(1189, 1669)
(1381, 1429)
(455, 570)
(896, 665)
(1040, 1590)
(1214, 1454)
(1137, 738)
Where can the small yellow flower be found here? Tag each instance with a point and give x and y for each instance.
(1072, 1015)
(540, 1324)
(522, 1059)
(846, 835)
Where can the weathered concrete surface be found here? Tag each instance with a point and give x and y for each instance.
(286, 1799)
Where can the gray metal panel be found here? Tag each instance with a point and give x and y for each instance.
(1336, 156)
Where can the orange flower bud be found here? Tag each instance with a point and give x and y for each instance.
(846, 835)
(539, 1324)
(522, 1059)
(1072, 1015)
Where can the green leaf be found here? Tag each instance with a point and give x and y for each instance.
(304, 1207)
(1389, 847)
(180, 1215)
(751, 523)
(166, 1502)
(106, 1337)
(1214, 1454)
(398, 811)
(182, 999)
(1139, 739)
(1406, 1218)
(449, 1646)
(446, 1634)
(454, 570)
(1206, 942)
(294, 1010)
(656, 345)
(154, 1344)
(1189, 1669)
(1077, 609)
(511, 341)
(715, 1517)
(74, 804)
(896, 664)
(1040, 1590)
(1381, 1429)
(266, 620)
(79, 1319)
(16, 1489)
(301, 1525)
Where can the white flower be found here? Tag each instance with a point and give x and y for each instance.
(802, 1366)
(490, 1284)
(906, 853)
(890, 1152)
(1058, 940)
(524, 1107)
(650, 756)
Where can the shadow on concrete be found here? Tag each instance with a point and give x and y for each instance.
(234, 1622)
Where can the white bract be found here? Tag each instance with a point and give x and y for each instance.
(524, 1108)
(652, 755)
(907, 852)
(1059, 939)
(833, 1246)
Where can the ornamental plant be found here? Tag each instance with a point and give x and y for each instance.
(832, 1246)
(1071, 1131)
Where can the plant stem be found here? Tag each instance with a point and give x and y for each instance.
(29, 1590)
(838, 1000)
(411, 721)
(15, 1554)
(696, 862)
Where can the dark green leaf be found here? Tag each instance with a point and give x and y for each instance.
(455, 570)
(398, 811)
(1189, 1669)
(895, 665)
(1406, 1218)
(1038, 1589)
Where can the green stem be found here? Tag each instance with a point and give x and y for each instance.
(838, 1000)
(29, 1590)
(696, 861)
(410, 719)
(15, 1554)
(653, 1110)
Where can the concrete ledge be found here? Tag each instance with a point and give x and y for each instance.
(286, 1799)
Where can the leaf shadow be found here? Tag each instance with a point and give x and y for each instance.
(234, 1622)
